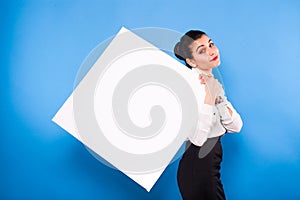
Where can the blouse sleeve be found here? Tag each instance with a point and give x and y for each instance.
(206, 121)
(232, 123)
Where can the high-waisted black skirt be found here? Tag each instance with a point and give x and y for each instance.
(199, 179)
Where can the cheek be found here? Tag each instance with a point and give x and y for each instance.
(217, 50)
(202, 59)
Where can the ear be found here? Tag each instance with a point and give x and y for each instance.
(191, 62)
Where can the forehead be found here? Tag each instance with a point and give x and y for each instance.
(200, 41)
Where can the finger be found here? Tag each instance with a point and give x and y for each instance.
(209, 80)
(205, 77)
(202, 79)
(202, 75)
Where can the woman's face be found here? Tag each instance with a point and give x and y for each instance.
(205, 54)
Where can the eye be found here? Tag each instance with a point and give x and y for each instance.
(211, 44)
(202, 51)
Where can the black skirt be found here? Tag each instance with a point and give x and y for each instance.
(199, 179)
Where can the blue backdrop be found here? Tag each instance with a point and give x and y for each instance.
(43, 44)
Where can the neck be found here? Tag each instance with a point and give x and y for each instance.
(207, 72)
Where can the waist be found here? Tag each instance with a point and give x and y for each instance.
(189, 143)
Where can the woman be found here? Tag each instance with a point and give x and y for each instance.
(199, 176)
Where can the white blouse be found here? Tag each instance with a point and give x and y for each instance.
(215, 120)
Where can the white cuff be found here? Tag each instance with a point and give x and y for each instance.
(223, 110)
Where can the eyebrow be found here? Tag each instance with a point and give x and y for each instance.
(203, 45)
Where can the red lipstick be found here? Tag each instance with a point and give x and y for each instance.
(214, 59)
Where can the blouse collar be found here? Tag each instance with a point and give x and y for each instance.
(199, 71)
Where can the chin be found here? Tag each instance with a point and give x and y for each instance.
(218, 64)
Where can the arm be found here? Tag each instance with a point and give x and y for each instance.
(206, 121)
(206, 113)
(230, 119)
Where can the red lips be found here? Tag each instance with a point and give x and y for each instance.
(214, 59)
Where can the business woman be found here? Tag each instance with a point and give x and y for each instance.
(199, 176)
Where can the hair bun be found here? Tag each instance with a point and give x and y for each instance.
(178, 52)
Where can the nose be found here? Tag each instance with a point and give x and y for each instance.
(211, 52)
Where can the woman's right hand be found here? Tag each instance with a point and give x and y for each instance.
(213, 88)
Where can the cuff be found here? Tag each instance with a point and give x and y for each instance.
(223, 110)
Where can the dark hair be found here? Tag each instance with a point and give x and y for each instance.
(182, 49)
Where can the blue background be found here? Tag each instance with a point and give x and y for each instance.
(43, 44)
